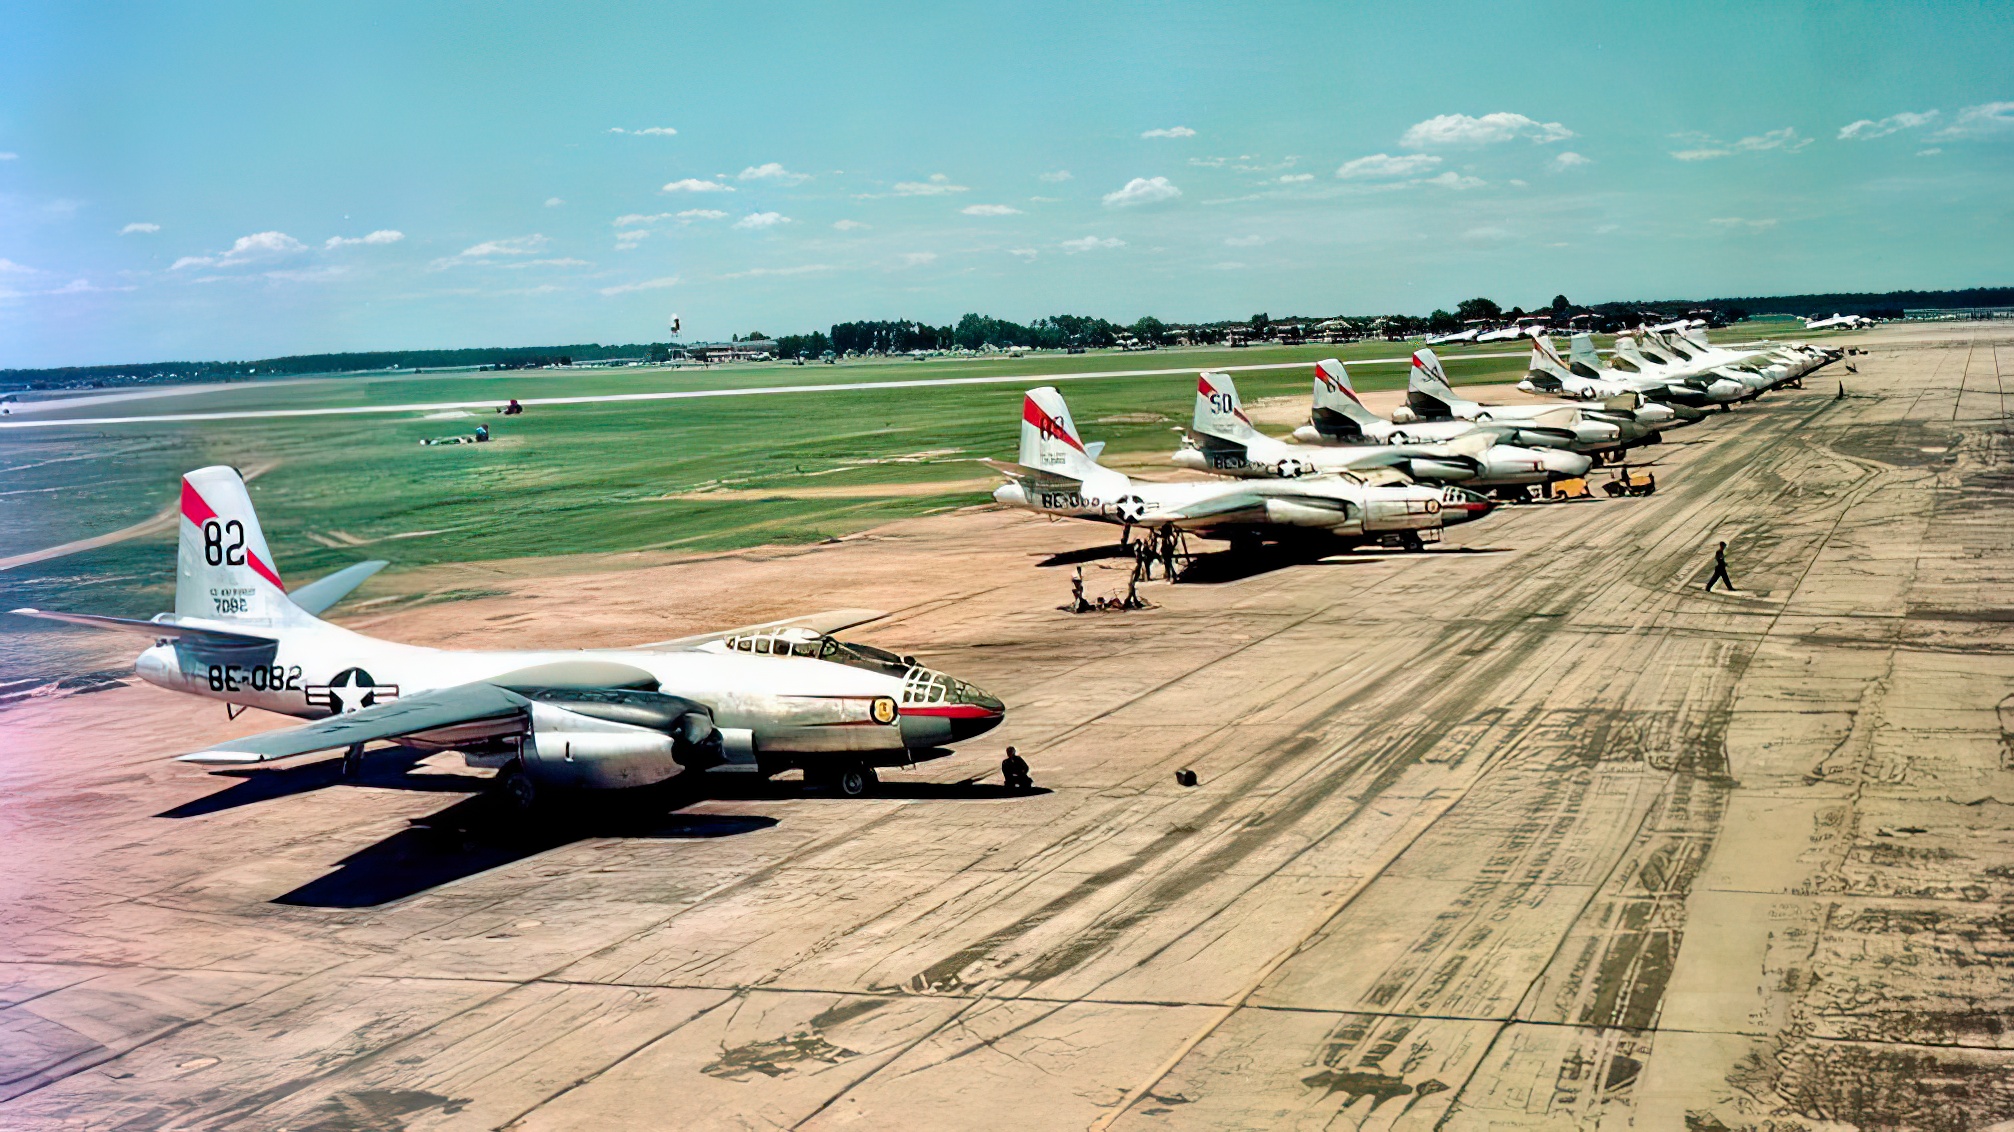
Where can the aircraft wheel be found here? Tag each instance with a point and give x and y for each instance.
(1411, 541)
(517, 789)
(857, 781)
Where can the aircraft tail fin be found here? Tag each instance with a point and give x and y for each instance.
(1581, 351)
(1049, 440)
(1219, 413)
(1545, 357)
(224, 570)
(1338, 411)
(1427, 391)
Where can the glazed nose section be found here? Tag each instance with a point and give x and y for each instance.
(1460, 505)
(938, 709)
(1561, 464)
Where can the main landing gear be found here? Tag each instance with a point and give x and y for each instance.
(849, 780)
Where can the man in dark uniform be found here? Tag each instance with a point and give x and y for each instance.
(1720, 570)
(1014, 771)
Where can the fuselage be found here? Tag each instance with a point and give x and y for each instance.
(789, 703)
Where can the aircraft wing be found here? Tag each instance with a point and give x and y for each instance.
(159, 630)
(322, 593)
(828, 622)
(407, 715)
(1221, 508)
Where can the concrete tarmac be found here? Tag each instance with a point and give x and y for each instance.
(1525, 831)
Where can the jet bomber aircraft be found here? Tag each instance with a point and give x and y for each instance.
(1058, 474)
(761, 699)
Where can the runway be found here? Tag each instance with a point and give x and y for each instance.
(661, 395)
(1527, 831)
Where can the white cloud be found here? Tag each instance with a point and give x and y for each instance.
(762, 220)
(918, 259)
(1170, 132)
(247, 249)
(1868, 128)
(562, 262)
(1703, 153)
(9, 267)
(516, 245)
(695, 185)
(1056, 178)
(1985, 118)
(771, 171)
(260, 245)
(9, 156)
(692, 214)
(1385, 165)
(553, 202)
(1246, 241)
(632, 219)
(1732, 222)
(1569, 160)
(646, 285)
(1296, 178)
(1228, 265)
(1704, 147)
(646, 132)
(1785, 139)
(849, 225)
(1931, 152)
(381, 236)
(990, 210)
(1142, 190)
(627, 241)
(1023, 253)
(760, 272)
(85, 287)
(139, 227)
(937, 185)
(1460, 129)
(1210, 162)
(1091, 243)
(1454, 180)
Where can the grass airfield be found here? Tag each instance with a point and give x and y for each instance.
(1522, 832)
(661, 477)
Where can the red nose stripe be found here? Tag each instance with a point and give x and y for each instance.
(951, 711)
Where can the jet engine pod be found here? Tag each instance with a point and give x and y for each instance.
(1320, 513)
(1439, 471)
(586, 749)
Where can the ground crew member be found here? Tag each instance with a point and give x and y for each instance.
(1014, 771)
(1720, 570)
(1077, 592)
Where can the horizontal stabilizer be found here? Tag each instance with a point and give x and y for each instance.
(408, 715)
(1022, 473)
(159, 630)
(319, 595)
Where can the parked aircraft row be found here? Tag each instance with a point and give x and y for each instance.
(1349, 476)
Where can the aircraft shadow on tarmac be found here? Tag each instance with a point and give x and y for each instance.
(1220, 566)
(480, 833)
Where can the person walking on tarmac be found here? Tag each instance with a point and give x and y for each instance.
(1720, 570)
(1014, 771)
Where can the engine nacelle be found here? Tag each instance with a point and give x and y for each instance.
(1439, 471)
(1302, 513)
(1404, 415)
(570, 749)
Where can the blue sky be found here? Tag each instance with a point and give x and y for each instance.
(232, 181)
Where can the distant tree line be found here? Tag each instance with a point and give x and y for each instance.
(976, 331)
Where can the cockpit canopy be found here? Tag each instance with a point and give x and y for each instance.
(816, 646)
